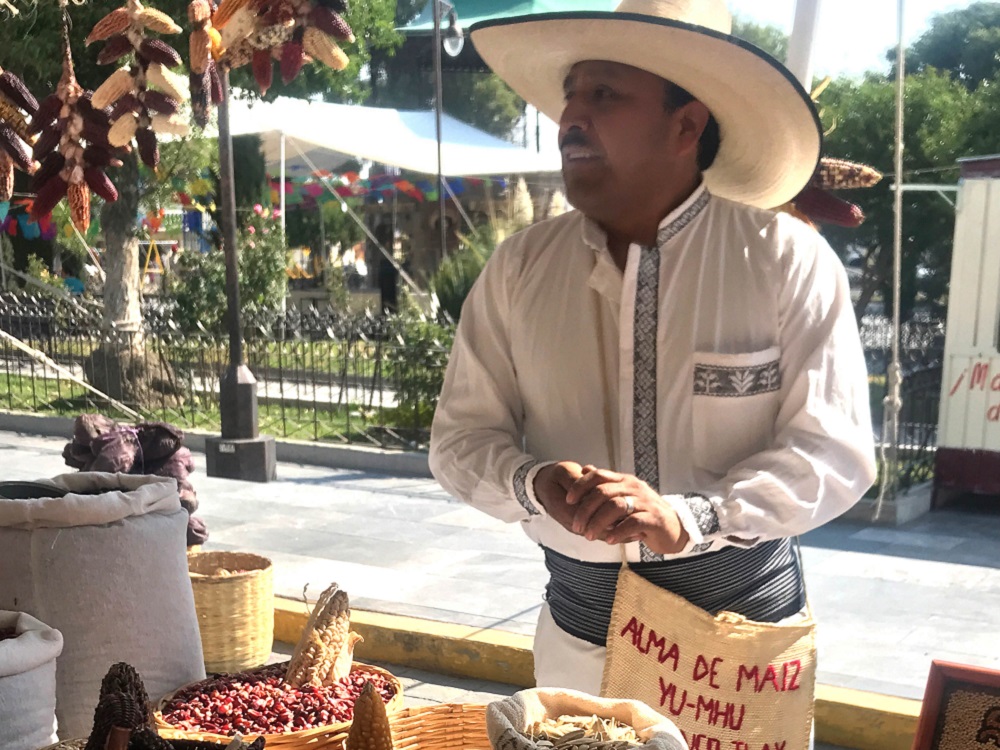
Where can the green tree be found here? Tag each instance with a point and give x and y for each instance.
(769, 38)
(31, 46)
(965, 43)
(937, 113)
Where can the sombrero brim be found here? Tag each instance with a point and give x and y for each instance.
(771, 133)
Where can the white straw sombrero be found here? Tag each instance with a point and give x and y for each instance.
(771, 134)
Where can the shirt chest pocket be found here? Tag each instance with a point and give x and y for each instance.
(734, 406)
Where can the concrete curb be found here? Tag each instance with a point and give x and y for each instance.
(353, 457)
(848, 718)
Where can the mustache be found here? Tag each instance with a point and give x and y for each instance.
(574, 137)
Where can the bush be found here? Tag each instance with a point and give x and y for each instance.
(199, 286)
(421, 350)
(458, 272)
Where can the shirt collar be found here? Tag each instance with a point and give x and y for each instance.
(596, 239)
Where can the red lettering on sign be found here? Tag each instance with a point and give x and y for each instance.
(995, 383)
(674, 653)
(958, 384)
(980, 374)
(668, 693)
(703, 669)
(635, 628)
(993, 413)
(795, 665)
(740, 745)
(769, 676)
(746, 673)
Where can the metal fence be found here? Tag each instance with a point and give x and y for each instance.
(324, 375)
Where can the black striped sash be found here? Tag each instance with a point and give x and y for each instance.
(762, 583)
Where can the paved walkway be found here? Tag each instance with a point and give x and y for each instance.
(888, 600)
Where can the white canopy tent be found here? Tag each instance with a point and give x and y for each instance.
(333, 134)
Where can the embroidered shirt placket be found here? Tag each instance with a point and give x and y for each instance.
(644, 390)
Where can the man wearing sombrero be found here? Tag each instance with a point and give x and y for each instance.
(674, 366)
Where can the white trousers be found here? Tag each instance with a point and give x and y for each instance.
(565, 661)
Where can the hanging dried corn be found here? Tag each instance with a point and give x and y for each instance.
(72, 146)
(260, 32)
(139, 112)
(205, 47)
(16, 106)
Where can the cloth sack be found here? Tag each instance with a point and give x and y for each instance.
(28, 682)
(104, 561)
(507, 718)
(726, 681)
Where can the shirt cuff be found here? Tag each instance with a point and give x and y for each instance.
(698, 517)
(524, 486)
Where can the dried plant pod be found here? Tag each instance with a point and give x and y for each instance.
(370, 728)
(170, 125)
(14, 89)
(199, 50)
(327, 633)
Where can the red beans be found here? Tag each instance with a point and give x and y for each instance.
(261, 702)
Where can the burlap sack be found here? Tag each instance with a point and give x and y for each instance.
(506, 719)
(28, 682)
(726, 681)
(104, 561)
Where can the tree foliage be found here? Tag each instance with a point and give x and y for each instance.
(769, 38)
(937, 112)
(965, 43)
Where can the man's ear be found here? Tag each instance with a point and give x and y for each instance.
(691, 120)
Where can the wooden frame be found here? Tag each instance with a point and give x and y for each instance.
(944, 679)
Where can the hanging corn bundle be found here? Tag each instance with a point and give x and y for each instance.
(72, 146)
(205, 47)
(260, 32)
(16, 106)
(139, 112)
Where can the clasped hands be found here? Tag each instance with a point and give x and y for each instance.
(607, 505)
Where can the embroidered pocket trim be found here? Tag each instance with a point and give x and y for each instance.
(732, 382)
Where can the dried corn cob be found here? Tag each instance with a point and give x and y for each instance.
(321, 47)
(840, 174)
(199, 50)
(370, 727)
(171, 83)
(226, 10)
(170, 125)
(292, 57)
(242, 24)
(824, 208)
(263, 69)
(157, 20)
(116, 86)
(330, 22)
(6, 176)
(115, 48)
(14, 89)
(341, 666)
(13, 146)
(115, 22)
(123, 130)
(157, 50)
(11, 115)
(325, 636)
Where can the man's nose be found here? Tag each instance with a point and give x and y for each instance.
(574, 115)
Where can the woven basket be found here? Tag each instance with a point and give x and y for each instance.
(448, 726)
(235, 612)
(331, 736)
